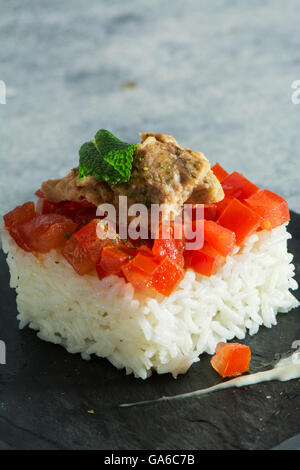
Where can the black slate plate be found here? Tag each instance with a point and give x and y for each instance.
(46, 394)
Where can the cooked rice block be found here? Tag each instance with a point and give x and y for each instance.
(144, 334)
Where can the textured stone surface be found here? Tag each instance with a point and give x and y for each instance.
(216, 75)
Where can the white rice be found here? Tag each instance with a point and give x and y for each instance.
(141, 333)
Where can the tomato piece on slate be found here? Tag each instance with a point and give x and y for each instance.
(231, 359)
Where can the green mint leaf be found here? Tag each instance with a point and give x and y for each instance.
(115, 152)
(91, 164)
(107, 158)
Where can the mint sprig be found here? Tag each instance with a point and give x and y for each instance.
(106, 158)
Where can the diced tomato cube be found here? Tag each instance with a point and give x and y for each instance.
(145, 263)
(15, 218)
(210, 211)
(240, 219)
(46, 232)
(220, 238)
(20, 214)
(206, 261)
(166, 276)
(221, 205)
(167, 244)
(219, 172)
(145, 250)
(84, 215)
(15, 233)
(237, 186)
(139, 279)
(100, 272)
(272, 208)
(188, 254)
(78, 257)
(144, 271)
(81, 212)
(231, 359)
(169, 247)
(89, 239)
(112, 259)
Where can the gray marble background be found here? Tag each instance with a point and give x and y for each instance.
(215, 74)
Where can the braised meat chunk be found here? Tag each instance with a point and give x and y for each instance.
(162, 173)
(71, 188)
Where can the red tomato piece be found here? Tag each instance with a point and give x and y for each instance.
(188, 254)
(144, 271)
(84, 215)
(206, 261)
(222, 205)
(219, 172)
(237, 186)
(112, 259)
(139, 279)
(231, 359)
(47, 232)
(145, 263)
(145, 250)
(78, 257)
(20, 214)
(170, 246)
(166, 276)
(95, 236)
(15, 233)
(81, 212)
(210, 211)
(240, 219)
(15, 218)
(87, 236)
(272, 208)
(220, 238)
(100, 272)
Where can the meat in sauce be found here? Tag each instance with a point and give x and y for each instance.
(162, 173)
